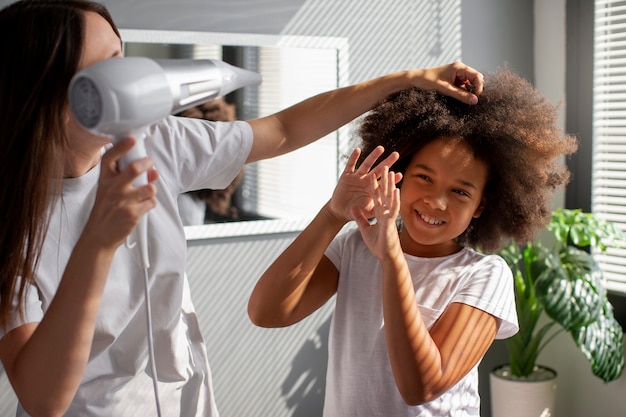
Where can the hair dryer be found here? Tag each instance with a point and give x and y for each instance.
(122, 97)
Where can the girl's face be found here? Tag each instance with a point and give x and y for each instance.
(442, 190)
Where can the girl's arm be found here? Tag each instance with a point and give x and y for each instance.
(425, 364)
(302, 279)
(45, 361)
(316, 117)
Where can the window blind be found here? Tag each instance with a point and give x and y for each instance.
(609, 131)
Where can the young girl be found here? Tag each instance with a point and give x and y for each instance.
(73, 338)
(417, 307)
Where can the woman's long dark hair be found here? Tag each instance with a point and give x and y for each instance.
(41, 44)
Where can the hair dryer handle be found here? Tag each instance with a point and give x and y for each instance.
(138, 152)
(135, 153)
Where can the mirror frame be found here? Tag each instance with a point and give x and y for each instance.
(196, 234)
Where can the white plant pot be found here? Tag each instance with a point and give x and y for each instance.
(522, 397)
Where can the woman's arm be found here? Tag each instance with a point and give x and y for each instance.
(45, 361)
(302, 279)
(316, 117)
(425, 363)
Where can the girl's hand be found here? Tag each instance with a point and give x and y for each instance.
(119, 205)
(456, 80)
(354, 188)
(381, 236)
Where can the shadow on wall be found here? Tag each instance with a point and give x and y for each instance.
(303, 388)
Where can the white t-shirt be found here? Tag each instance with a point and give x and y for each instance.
(188, 154)
(359, 379)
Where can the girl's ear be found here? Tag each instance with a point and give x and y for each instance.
(480, 208)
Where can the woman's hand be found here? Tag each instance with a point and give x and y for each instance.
(381, 237)
(354, 188)
(119, 204)
(456, 80)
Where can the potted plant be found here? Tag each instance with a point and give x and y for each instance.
(564, 282)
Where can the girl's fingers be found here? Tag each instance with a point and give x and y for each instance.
(351, 164)
(371, 159)
(387, 162)
(389, 186)
(387, 195)
(394, 193)
(385, 186)
(382, 190)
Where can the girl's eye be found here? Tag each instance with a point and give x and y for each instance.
(461, 192)
(423, 177)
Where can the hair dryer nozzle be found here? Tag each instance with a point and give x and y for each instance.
(195, 81)
(234, 78)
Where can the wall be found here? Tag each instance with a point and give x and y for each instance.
(383, 36)
(278, 372)
(256, 372)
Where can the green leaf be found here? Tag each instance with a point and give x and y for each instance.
(585, 229)
(602, 342)
(571, 290)
(580, 236)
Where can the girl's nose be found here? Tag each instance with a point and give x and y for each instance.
(436, 201)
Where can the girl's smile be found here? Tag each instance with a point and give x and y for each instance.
(432, 221)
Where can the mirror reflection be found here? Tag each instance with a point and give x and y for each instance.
(287, 187)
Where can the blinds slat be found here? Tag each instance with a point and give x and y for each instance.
(617, 211)
(610, 192)
(606, 147)
(616, 139)
(601, 130)
(605, 167)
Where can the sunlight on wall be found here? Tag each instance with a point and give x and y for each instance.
(385, 36)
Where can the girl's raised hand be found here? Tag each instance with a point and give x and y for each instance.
(381, 236)
(354, 188)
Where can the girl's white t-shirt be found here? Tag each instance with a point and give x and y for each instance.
(189, 154)
(359, 380)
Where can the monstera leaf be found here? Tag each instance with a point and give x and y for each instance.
(602, 343)
(571, 289)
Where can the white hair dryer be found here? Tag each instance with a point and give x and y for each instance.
(122, 97)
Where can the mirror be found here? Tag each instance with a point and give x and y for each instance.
(286, 191)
